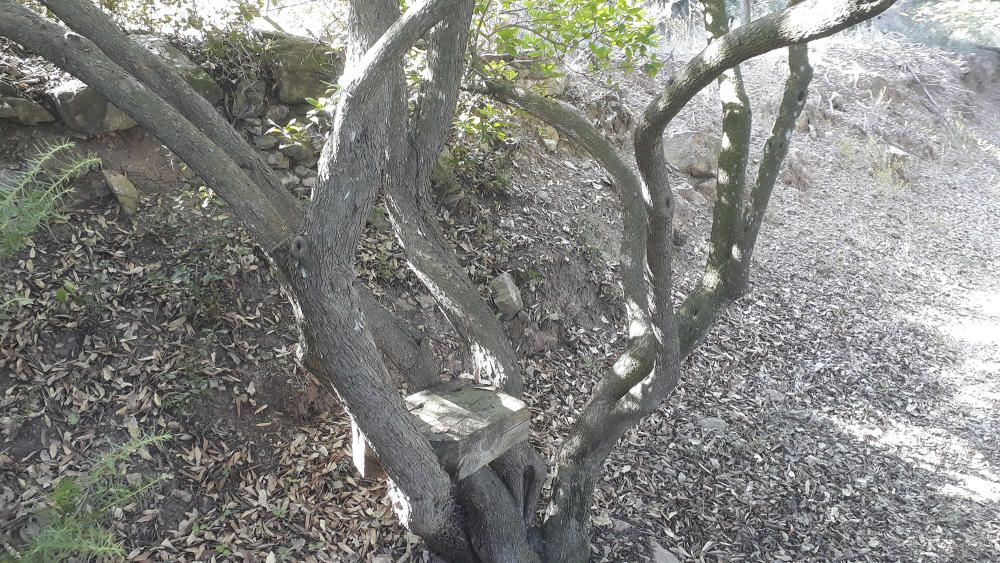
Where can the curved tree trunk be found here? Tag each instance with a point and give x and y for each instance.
(485, 517)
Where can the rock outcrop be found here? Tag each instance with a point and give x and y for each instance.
(302, 68)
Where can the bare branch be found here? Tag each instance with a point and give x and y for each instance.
(733, 157)
(794, 25)
(412, 211)
(792, 102)
(270, 224)
(435, 107)
(574, 125)
(84, 17)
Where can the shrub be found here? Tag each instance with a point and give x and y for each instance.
(31, 199)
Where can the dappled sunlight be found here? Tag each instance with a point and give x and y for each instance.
(935, 451)
(975, 325)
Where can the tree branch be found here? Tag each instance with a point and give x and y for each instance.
(88, 20)
(412, 210)
(727, 215)
(571, 123)
(270, 225)
(805, 22)
(776, 148)
(353, 165)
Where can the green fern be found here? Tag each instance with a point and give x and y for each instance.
(32, 198)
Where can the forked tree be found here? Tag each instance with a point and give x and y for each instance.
(377, 140)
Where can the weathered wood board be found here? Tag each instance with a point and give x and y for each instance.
(467, 425)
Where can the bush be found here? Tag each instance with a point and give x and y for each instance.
(31, 199)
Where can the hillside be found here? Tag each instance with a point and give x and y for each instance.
(845, 409)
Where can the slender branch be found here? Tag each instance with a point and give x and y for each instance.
(794, 25)
(571, 123)
(84, 17)
(412, 210)
(734, 156)
(435, 108)
(270, 225)
(776, 148)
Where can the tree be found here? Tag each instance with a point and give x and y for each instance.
(489, 515)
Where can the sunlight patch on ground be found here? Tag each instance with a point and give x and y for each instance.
(975, 328)
(933, 450)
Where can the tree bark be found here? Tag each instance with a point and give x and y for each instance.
(353, 164)
(364, 151)
(412, 211)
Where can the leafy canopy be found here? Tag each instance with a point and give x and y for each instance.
(543, 33)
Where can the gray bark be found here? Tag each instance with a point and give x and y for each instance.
(363, 151)
(412, 211)
(649, 369)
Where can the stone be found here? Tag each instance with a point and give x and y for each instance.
(426, 301)
(802, 124)
(403, 304)
(713, 423)
(25, 112)
(302, 171)
(303, 68)
(692, 195)
(302, 153)
(196, 77)
(662, 555)
(550, 137)
(82, 109)
(288, 179)
(704, 168)
(709, 189)
(277, 114)
(982, 69)
(248, 98)
(679, 238)
(443, 179)
(620, 526)
(278, 161)
(252, 125)
(309, 182)
(506, 295)
(124, 191)
(693, 152)
(265, 142)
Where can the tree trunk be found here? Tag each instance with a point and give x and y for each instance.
(486, 516)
